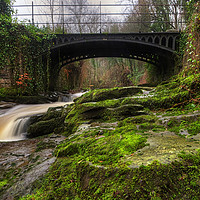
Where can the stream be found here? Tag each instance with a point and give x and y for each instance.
(14, 122)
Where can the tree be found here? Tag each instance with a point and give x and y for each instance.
(5, 7)
(82, 19)
(168, 14)
(52, 10)
(155, 15)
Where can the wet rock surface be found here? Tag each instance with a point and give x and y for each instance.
(24, 162)
(4, 106)
(46, 123)
(163, 147)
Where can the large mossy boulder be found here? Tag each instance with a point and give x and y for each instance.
(127, 110)
(47, 123)
(108, 110)
(104, 94)
(103, 105)
(44, 127)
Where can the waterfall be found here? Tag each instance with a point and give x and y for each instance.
(20, 127)
(14, 122)
(69, 97)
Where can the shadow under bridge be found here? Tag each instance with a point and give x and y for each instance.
(158, 49)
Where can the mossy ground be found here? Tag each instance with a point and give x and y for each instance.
(70, 179)
(93, 165)
(100, 161)
(102, 146)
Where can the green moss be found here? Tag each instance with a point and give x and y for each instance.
(71, 178)
(151, 126)
(106, 103)
(45, 145)
(104, 94)
(193, 128)
(3, 183)
(103, 147)
(138, 120)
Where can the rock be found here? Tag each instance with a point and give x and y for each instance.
(176, 120)
(44, 127)
(113, 93)
(126, 110)
(5, 105)
(93, 112)
(52, 96)
(184, 132)
(46, 123)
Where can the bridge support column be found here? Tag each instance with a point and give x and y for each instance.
(53, 78)
(54, 70)
(167, 68)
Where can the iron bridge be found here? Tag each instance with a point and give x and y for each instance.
(155, 48)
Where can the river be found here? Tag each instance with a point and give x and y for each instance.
(14, 122)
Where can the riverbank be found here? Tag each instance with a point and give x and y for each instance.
(114, 147)
(24, 163)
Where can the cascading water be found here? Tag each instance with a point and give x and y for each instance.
(14, 122)
(69, 97)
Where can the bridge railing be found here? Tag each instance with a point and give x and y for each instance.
(95, 17)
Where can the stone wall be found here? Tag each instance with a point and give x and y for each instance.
(4, 78)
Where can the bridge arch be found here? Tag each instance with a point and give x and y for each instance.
(66, 52)
(151, 48)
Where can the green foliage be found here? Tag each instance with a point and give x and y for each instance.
(3, 183)
(9, 92)
(190, 8)
(162, 11)
(191, 57)
(5, 7)
(22, 51)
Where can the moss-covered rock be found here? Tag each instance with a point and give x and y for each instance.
(51, 121)
(160, 100)
(138, 120)
(44, 127)
(126, 110)
(99, 111)
(104, 94)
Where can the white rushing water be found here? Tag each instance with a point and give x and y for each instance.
(13, 122)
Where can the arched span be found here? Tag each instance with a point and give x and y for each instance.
(68, 52)
(155, 48)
